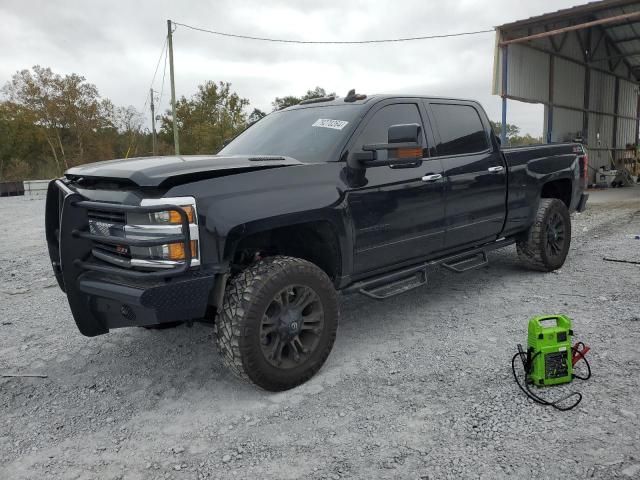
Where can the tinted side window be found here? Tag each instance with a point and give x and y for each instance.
(377, 129)
(460, 129)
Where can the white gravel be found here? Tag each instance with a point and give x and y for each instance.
(419, 386)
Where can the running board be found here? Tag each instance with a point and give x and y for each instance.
(391, 284)
(464, 263)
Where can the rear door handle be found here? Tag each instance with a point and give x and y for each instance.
(431, 178)
(497, 169)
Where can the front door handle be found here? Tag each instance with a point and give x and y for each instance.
(431, 178)
(497, 169)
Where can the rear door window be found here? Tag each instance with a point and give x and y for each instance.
(460, 128)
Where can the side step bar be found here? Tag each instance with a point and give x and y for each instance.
(392, 284)
(465, 262)
(405, 279)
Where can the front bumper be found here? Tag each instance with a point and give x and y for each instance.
(107, 303)
(103, 296)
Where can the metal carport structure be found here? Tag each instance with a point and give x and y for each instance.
(583, 64)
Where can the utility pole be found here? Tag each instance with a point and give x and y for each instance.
(176, 141)
(153, 124)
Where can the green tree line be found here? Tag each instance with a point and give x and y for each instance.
(514, 138)
(51, 122)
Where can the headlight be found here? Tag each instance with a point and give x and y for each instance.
(161, 224)
(172, 216)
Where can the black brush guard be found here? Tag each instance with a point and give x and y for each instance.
(103, 296)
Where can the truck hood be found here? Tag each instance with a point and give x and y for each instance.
(169, 171)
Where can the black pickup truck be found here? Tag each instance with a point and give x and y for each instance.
(359, 194)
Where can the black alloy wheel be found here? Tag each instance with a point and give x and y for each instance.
(278, 322)
(546, 244)
(555, 235)
(291, 326)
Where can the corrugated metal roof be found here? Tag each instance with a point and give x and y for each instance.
(569, 13)
(586, 65)
(625, 36)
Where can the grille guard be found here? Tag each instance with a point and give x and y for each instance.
(184, 238)
(73, 205)
(103, 296)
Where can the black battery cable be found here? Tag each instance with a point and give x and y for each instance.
(527, 364)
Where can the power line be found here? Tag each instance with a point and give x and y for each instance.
(133, 142)
(164, 72)
(153, 79)
(331, 42)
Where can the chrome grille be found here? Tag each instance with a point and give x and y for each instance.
(108, 217)
(100, 228)
(108, 224)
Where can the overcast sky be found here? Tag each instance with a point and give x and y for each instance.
(116, 45)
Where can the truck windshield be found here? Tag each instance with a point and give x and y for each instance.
(305, 134)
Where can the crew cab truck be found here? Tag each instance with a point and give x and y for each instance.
(359, 194)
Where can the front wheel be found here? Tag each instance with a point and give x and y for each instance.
(278, 322)
(547, 242)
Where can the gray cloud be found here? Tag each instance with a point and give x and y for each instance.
(116, 46)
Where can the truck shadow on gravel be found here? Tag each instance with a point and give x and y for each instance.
(180, 361)
(135, 374)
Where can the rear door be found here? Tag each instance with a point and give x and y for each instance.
(397, 216)
(476, 182)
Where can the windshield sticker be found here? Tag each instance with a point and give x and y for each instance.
(328, 123)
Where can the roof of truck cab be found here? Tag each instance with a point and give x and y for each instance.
(377, 97)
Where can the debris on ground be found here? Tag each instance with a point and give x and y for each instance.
(606, 259)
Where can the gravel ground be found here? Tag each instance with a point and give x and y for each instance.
(419, 386)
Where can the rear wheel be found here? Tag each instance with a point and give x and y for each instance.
(547, 242)
(278, 322)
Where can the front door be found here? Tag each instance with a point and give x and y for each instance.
(397, 216)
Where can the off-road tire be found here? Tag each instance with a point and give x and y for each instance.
(532, 249)
(247, 297)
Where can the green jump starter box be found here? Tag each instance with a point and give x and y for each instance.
(549, 352)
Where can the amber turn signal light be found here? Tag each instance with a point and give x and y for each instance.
(176, 250)
(174, 216)
(409, 153)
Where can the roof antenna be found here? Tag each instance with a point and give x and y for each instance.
(352, 96)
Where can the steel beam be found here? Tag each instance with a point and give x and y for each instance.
(616, 99)
(615, 57)
(579, 62)
(503, 129)
(581, 26)
(637, 121)
(550, 107)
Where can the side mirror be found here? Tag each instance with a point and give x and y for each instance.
(406, 133)
(404, 147)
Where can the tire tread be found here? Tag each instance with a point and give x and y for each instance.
(530, 249)
(242, 292)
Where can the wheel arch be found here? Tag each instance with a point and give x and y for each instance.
(559, 188)
(317, 239)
